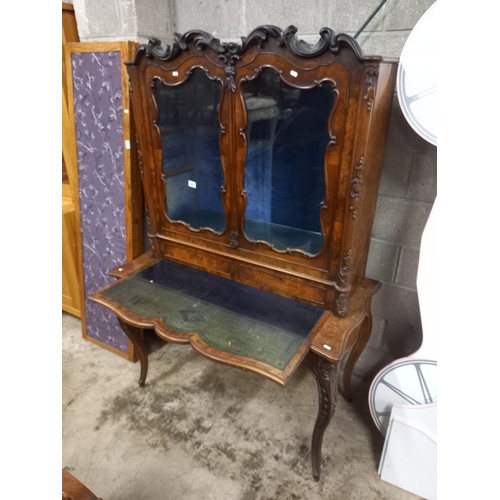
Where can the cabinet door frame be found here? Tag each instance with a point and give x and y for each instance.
(173, 75)
(295, 75)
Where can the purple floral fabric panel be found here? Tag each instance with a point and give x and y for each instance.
(99, 136)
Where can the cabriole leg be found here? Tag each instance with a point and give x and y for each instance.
(325, 374)
(136, 336)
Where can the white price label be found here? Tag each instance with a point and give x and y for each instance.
(192, 184)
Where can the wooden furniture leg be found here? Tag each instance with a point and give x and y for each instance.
(136, 336)
(363, 336)
(325, 374)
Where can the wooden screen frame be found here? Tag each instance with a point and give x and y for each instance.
(132, 180)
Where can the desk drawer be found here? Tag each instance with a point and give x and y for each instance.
(288, 286)
(197, 259)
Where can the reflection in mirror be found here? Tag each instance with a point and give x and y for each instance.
(287, 137)
(188, 119)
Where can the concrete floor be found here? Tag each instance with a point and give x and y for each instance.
(200, 430)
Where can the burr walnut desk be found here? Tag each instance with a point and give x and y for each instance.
(260, 164)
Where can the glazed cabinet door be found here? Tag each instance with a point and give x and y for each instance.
(191, 169)
(186, 170)
(290, 120)
(286, 141)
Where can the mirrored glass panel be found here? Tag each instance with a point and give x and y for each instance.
(189, 123)
(287, 136)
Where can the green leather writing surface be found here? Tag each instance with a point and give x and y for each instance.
(226, 315)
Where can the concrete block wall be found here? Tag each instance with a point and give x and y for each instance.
(229, 20)
(408, 184)
(408, 187)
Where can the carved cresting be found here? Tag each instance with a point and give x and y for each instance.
(229, 52)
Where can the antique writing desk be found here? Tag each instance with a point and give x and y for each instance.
(260, 163)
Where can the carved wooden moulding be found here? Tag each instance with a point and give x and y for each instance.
(261, 159)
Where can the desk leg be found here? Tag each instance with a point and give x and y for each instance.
(136, 336)
(325, 374)
(363, 335)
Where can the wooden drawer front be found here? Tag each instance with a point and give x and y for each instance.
(283, 285)
(198, 259)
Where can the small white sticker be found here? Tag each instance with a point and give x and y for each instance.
(327, 347)
(175, 73)
(120, 269)
(127, 144)
(125, 111)
(294, 73)
(192, 184)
